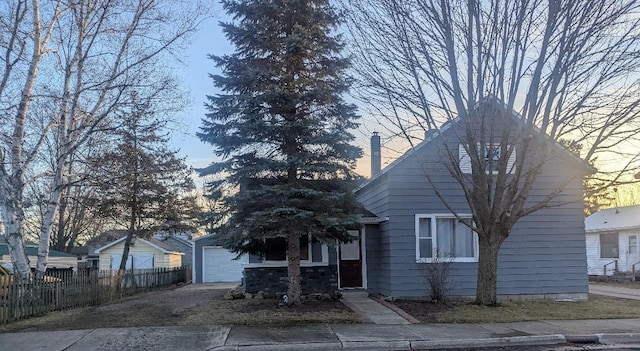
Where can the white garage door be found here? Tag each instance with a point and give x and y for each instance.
(218, 265)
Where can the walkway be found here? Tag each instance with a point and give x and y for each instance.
(614, 291)
(316, 337)
(360, 303)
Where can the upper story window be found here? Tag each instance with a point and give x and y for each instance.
(492, 154)
(444, 236)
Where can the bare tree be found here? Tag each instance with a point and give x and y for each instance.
(67, 67)
(568, 68)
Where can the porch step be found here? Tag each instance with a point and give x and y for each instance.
(355, 293)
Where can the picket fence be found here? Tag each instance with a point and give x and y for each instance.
(69, 290)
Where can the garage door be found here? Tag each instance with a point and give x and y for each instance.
(218, 265)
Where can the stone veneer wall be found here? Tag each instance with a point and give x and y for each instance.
(272, 281)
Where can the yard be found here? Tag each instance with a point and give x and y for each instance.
(191, 305)
(597, 307)
(197, 304)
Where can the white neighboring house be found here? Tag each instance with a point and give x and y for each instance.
(143, 254)
(613, 235)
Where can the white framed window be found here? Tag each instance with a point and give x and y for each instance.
(492, 155)
(444, 236)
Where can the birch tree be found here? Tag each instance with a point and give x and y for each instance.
(568, 68)
(95, 53)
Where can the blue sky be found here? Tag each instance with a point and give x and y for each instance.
(195, 77)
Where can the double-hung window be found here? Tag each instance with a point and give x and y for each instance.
(490, 155)
(444, 236)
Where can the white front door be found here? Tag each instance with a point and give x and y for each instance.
(633, 255)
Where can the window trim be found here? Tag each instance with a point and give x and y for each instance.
(434, 243)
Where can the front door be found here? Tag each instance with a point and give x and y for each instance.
(633, 256)
(351, 262)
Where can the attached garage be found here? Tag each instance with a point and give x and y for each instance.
(219, 265)
(213, 263)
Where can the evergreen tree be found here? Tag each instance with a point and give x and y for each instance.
(282, 129)
(141, 182)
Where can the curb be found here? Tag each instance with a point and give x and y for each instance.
(553, 339)
(406, 345)
(319, 346)
(619, 338)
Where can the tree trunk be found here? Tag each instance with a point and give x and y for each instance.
(486, 289)
(13, 232)
(293, 270)
(46, 228)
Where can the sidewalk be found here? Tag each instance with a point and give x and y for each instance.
(330, 337)
(615, 291)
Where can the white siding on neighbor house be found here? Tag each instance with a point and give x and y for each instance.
(140, 248)
(596, 264)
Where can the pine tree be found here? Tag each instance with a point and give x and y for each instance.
(282, 129)
(140, 181)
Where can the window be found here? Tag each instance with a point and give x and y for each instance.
(633, 244)
(276, 249)
(444, 236)
(491, 154)
(609, 245)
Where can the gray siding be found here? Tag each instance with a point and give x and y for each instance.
(545, 253)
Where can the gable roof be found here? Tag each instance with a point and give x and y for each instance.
(433, 134)
(610, 219)
(163, 247)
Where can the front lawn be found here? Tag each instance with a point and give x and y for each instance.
(597, 307)
(188, 307)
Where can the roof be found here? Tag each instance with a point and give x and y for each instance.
(165, 248)
(32, 250)
(617, 218)
(447, 125)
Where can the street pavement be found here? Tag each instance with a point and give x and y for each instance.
(388, 331)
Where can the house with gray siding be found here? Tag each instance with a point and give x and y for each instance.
(404, 223)
(543, 257)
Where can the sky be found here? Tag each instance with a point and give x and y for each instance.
(196, 80)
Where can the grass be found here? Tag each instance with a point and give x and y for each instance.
(267, 312)
(597, 307)
(160, 309)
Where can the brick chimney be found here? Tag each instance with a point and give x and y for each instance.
(376, 157)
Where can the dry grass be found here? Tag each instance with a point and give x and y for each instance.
(188, 308)
(269, 312)
(597, 307)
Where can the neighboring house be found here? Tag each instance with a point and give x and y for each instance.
(612, 235)
(57, 260)
(213, 263)
(143, 254)
(544, 257)
(181, 241)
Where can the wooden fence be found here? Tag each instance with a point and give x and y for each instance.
(69, 290)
